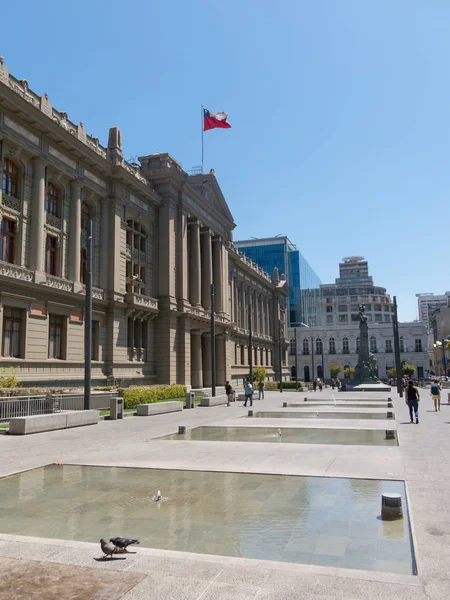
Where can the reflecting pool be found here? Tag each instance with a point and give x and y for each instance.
(318, 415)
(346, 437)
(312, 520)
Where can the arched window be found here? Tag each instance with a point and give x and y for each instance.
(52, 200)
(306, 373)
(10, 179)
(331, 346)
(86, 215)
(358, 343)
(306, 346)
(388, 345)
(345, 348)
(136, 263)
(402, 344)
(319, 346)
(373, 344)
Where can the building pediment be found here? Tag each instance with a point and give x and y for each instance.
(207, 187)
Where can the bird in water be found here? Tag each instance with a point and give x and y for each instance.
(279, 432)
(121, 542)
(157, 497)
(108, 548)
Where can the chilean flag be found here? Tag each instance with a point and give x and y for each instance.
(212, 120)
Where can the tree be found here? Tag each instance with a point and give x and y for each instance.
(408, 370)
(335, 370)
(348, 372)
(259, 374)
(392, 373)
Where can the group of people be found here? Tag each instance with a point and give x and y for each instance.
(412, 398)
(317, 383)
(248, 391)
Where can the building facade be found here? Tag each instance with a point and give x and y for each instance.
(160, 239)
(279, 252)
(428, 303)
(340, 301)
(319, 347)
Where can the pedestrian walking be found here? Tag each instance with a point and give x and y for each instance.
(248, 391)
(229, 392)
(315, 384)
(412, 398)
(261, 390)
(338, 384)
(435, 392)
(320, 382)
(333, 383)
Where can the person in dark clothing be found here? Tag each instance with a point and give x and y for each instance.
(315, 384)
(229, 392)
(412, 398)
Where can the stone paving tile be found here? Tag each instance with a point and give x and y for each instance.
(162, 587)
(223, 591)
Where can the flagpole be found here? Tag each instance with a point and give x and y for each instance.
(203, 160)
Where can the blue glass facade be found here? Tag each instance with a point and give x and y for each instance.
(302, 280)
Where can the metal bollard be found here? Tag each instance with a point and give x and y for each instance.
(390, 434)
(390, 414)
(284, 404)
(181, 429)
(250, 413)
(305, 399)
(390, 405)
(391, 507)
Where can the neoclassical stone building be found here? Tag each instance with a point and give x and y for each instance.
(318, 347)
(160, 237)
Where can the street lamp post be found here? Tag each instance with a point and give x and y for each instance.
(280, 355)
(250, 343)
(88, 319)
(398, 366)
(213, 345)
(312, 357)
(296, 359)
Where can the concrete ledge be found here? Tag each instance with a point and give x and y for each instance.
(37, 423)
(78, 418)
(216, 401)
(61, 420)
(158, 408)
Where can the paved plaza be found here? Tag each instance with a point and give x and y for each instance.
(53, 568)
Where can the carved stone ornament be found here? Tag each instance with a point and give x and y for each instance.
(88, 195)
(55, 176)
(15, 152)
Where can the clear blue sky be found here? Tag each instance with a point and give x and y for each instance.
(339, 110)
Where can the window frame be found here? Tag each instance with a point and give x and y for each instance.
(345, 344)
(59, 322)
(52, 200)
(51, 254)
(12, 319)
(10, 179)
(7, 239)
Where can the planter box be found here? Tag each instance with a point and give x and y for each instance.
(62, 420)
(216, 401)
(158, 408)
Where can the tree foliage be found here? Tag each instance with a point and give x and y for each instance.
(259, 374)
(348, 372)
(392, 373)
(408, 370)
(335, 370)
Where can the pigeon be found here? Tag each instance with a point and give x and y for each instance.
(121, 542)
(109, 549)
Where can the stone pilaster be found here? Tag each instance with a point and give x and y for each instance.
(166, 355)
(104, 243)
(167, 255)
(196, 359)
(221, 366)
(37, 233)
(207, 269)
(194, 264)
(183, 258)
(75, 232)
(218, 274)
(184, 351)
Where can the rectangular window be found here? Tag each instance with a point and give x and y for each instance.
(343, 318)
(418, 345)
(12, 332)
(50, 255)
(56, 337)
(368, 307)
(378, 318)
(330, 318)
(378, 307)
(386, 308)
(387, 318)
(329, 309)
(7, 232)
(388, 345)
(355, 318)
(342, 308)
(420, 372)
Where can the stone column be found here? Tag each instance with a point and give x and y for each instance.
(37, 233)
(183, 259)
(218, 274)
(166, 255)
(104, 243)
(184, 351)
(207, 269)
(206, 357)
(236, 303)
(220, 361)
(196, 359)
(194, 264)
(244, 324)
(75, 232)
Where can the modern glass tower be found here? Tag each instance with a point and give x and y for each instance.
(303, 282)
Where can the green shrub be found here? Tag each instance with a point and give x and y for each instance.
(135, 395)
(287, 385)
(8, 377)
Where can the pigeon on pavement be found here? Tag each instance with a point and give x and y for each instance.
(109, 549)
(121, 542)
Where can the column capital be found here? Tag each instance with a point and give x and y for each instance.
(206, 230)
(38, 160)
(75, 184)
(194, 222)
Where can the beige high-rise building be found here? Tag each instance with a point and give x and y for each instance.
(160, 238)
